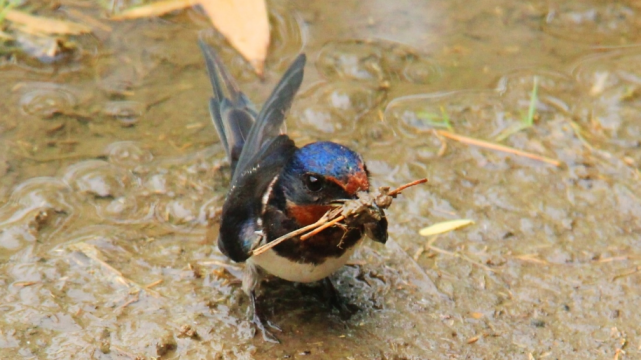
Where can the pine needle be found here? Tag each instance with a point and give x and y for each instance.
(497, 147)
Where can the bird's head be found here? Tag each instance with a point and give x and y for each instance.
(319, 174)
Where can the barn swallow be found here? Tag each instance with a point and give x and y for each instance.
(277, 187)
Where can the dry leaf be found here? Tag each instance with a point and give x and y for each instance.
(245, 24)
(39, 24)
(154, 9)
(445, 226)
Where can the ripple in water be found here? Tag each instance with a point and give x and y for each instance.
(355, 60)
(556, 91)
(42, 192)
(35, 210)
(334, 108)
(126, 112)
(377, 61)
(478, 113)
(46, 100)
(421, 71)
(128, 209)
(128, 154)
(179, 213)
(98, 178)
(599, 23)
(613, 83)
(287, 37)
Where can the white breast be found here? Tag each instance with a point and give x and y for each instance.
(289, 270)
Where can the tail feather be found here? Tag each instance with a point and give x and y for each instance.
(271, 118)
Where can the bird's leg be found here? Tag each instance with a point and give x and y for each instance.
(251, 279)
(345, 309)
(259, 321)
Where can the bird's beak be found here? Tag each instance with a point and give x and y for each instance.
(377, 230)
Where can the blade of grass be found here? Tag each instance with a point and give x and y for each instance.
(433, 119)
(446, 119)
(533, 100)
(528, 120)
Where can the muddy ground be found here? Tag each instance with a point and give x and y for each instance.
(111, 169)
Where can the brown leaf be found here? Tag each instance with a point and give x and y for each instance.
(40, 24)
(245, 24)
(154, 9)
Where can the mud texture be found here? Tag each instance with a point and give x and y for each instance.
(110, 171)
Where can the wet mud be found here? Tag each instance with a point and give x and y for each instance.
(111, 171)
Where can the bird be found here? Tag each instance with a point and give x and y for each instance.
(277, 187)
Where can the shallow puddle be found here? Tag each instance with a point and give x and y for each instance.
(110, 171)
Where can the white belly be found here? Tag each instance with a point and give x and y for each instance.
(297, 272)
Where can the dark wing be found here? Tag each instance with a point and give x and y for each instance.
(256, 149)
(243, 205)
(271, 116)
(232, 116)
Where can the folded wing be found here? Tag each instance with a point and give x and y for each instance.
(254, 144)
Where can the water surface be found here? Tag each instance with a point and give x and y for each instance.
(111, 170)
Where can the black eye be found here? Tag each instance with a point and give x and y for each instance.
(313, 182)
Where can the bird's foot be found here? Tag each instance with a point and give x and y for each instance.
(259, 322)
